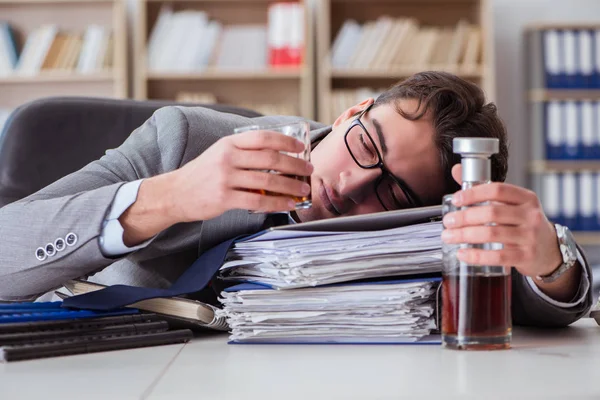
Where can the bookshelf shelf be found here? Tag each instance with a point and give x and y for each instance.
(584, 238)
(235, 75)
(70, 20)
(55, 1)
(543, 166)
(400, 72)
(292, 88)
(411, 2)
(543, 95)
(58, 78)
(438, 23)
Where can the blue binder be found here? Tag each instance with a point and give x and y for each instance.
(552, 51)
(587, 202)
(554, 130)
(49, 311)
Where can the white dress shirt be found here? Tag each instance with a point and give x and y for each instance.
(111, 240)
(111, 237)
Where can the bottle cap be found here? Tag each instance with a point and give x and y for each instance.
(481, 146)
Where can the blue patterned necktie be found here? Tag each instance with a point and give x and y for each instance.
(194, 279)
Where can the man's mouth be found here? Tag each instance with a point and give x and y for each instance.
(330, 200)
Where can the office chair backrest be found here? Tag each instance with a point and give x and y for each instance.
(46, 139)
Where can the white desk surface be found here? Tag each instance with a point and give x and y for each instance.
(542, 363)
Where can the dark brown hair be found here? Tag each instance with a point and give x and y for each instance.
(457, 108)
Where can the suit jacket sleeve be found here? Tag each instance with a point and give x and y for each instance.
(529, 308)
(79, 203)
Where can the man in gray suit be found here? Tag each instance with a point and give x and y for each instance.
(180, 184)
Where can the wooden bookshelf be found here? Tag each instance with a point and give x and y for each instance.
(75, 16)
(292, 86)
(543, 166)
(332, 14)
(544, 95)
(585, 238)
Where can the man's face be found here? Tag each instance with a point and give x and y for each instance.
(341, 187)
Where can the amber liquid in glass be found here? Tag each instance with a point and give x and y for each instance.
(483, 320)
(300, 200)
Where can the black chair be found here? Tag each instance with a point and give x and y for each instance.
(49, 138)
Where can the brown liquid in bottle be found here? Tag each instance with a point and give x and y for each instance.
(486, 310)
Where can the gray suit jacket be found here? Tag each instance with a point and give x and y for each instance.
(79, 203)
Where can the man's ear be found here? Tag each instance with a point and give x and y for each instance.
(457, 173)
(349, 113)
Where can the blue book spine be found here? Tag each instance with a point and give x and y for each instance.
(570, 59)
(60, 314)
(588, 130)
(550, 196)
(554, 130)
(571, 130)
(585, 50)
(8, 36)
(569, 200)
(596, 59)
(596, 122)
(597, 199)
(553, 65)
(587, 208)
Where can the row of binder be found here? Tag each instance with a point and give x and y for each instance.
(572, 199)
(571, 58)
(572, 130)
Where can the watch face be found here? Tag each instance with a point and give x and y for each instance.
(570, 250)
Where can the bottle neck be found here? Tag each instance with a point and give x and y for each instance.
(470, 184)
(476, 170)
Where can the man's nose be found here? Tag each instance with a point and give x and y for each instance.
(358, 184)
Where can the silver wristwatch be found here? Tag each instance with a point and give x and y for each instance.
(568, 250)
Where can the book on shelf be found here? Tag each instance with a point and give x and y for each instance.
(4, 114)
(8, 49)
(391, 43)
(566, 130)
(190, 41)
(342, 99)
(177, 310)
(564, 58)
(571, 198)
(49, 49)
(282, 108)
(286, 34)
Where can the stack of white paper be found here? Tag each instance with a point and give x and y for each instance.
(329, 257)
(376, 312)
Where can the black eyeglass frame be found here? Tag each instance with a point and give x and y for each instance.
(412, 198)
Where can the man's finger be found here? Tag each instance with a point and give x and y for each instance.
(494, 213)
(257, 140)
(505, 257)
(496, 191)
(484, 234)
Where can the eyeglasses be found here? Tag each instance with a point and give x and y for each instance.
(392, 192)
